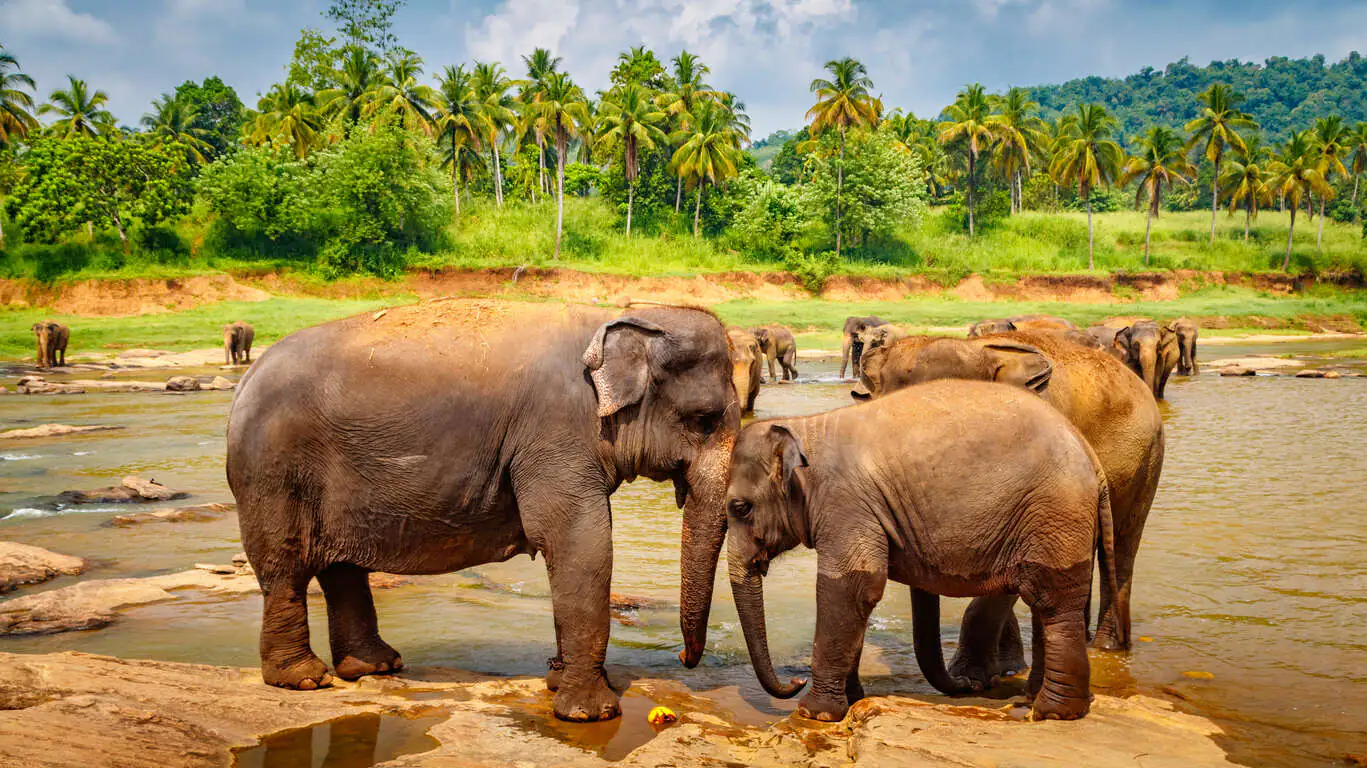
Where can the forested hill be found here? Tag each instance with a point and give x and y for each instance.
(1281, 93)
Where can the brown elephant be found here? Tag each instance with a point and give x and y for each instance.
(1019, 323)
(879, 336)
(896, 489)
(51, 338)
(1112, 410)
(1105, 338)
(436, 437)
(778, 345)
(851, 348)
(747, 367)
(237, 343)
(1186, 331)
(1151, 351)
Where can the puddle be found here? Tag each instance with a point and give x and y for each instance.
(354, 741)
(611, 740)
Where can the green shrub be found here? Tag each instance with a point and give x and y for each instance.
(811, 268)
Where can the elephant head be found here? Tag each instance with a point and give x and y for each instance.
(988, 327)
(745, 352)
(990, 359)
(1142, 344)
(766, 509)
(43, 333)
(852, 347)
(668, 408)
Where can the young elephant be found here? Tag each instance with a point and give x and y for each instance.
(955, 488)
(747, 369)
(1151, 351)
(1186, 332)
(851, 348)
(237, 343)
(52, 338)
(778, 345)
(1020, 323)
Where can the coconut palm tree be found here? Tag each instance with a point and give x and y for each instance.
(79, 110)
(1019, 133)
(842, 102)
(629, 116)
(358, 82)
(288, 115)
(491, 86)
(1217, 129)
(707, 152)
(973, 127)
(1295, 176)
(460, 125)
(1088, 159)
(402, 95)
(561, 105)
(737, 120)
(1333, 142)
(1245, 181)
(16, 103)
(1162, 161)
(687, 89)
(540, 64)
(1055, 134)
(1357, 144)
(172, 122)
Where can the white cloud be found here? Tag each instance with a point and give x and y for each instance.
(519, 26)
(53, 19)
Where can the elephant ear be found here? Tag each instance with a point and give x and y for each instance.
(1020, 364)
(788, 453)
(618, 362)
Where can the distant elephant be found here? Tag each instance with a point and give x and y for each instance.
(51, 338)
(851, 348)
(1187, 332)
(1105, 337)
(953, 488)
(1115, 413)
(879, 336)
(237, 343)
(778, 345)
(440, 436)
(747, 367)
(1151, 351)
(1019, 323)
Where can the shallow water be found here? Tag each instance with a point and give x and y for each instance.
(1251, 570)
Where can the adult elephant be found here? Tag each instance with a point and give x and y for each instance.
(51, 338)
(747, 367)
(851, 348)
(1151, 351)
(779, 346)
(877, 337)
(1186, 332)
(1105, 338)
(1114, 412)
(436, 437)
(237, 343)
(1019, 323)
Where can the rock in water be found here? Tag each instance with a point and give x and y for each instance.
(220, 383)
(53, 430)
(1238, 372)
(182, 384)
(199, 513)
(133, 490)
(22, 564)
(1310, 373)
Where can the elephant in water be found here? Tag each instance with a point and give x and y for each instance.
(1020, 323)
(851, 348)
(952, 488)
(747, 367)
(237, 343)
(1151, 351)
(1112, 409)
(51, 338)
(1186, 332)
(440, 436)
(879, 336)
(779, 346)
(1105, 338)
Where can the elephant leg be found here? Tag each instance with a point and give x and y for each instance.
(790, 366)
(1065, 686)
(1113, 616)
(353, 631)
(772, 358)
(978, 664)
(854, 687)
(247, 354)
(287, 661)
(1010, 647)
(844, 599)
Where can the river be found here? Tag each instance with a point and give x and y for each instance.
(1252, 575)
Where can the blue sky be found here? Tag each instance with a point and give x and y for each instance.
(919, 52)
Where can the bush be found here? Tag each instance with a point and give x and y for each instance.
(580, 178)
(991, 208)
(811, 268)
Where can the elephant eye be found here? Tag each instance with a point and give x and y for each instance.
(708, 422)
(740, 508)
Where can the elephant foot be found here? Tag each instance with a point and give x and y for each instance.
(587, 703)
(854, 691)
(307, 675)
(555, 671)
(822, 708)
(375, 659)
(1049, 707)
(1107, 639)
(972, 673)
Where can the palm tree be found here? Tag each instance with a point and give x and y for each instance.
(1217, 128)
(1245, 181)
(1295, 176)
(172, 122)
(707, 152)
(540, 64)
(842, 102)
(971, 125)
(358, 80)
(629, 116)
(402, 95)
(687, 90)
(1088, 159)
(460, 125)
(491, 86)
(1019, 133)
(561, 105)
(1055, 135)
(16, 103)
(79, 111)
(736, 118)
(1332, 144)
(1162, 160)
(289, 116)
(1357, 144)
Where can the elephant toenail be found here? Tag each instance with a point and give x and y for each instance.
(307, 685)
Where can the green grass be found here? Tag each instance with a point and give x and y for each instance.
(196, 328)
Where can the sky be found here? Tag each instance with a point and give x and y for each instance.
(919, 53)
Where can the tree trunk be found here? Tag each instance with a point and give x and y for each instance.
(1214, 198)
(678, 194)
(1091, 262)
(697, 209)
(1356, 178)
(1319, 238)
(970, 193)
(1248, 217)
(540, 166)
(118, 225)
(631, 194)
(498, 176)
(455, 177)
(839, 185)
(1148, 228)
(560, 147)
(1290, 233)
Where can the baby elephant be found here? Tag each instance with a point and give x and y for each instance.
(237, 343)
(52, 338)
(778, 344)
(958, 488)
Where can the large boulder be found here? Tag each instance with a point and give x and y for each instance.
(37, 385)
(182, 384)
(22, 564)
(200, 513)
(132, 490)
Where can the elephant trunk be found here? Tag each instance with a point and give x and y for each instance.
(1148, 366)
(845, 356)
(704, 529)
(925, 625)
(740, 379)
(747, 588)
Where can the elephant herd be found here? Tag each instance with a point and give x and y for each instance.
(1003, 466)
(52, 338)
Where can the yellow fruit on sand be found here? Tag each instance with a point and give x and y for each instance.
(661, 716)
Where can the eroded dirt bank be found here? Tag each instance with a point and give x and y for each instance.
(77, 709)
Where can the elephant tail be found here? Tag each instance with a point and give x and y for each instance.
(1105, 546)
(925, 625)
